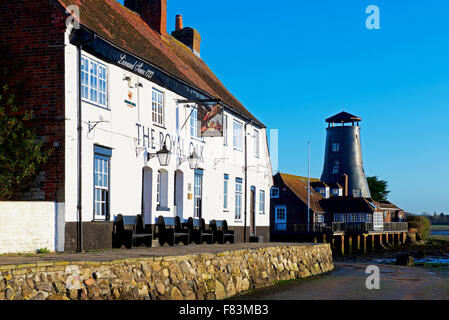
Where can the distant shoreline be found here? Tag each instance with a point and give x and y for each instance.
(436, 227)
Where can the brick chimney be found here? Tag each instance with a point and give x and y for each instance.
(189, 36)
(153, 12)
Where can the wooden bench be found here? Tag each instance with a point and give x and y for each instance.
(143, 233)
(220, 232)
(129, 237)
(170, 229)
(198, 232)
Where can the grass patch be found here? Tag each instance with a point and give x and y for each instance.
(43, 250)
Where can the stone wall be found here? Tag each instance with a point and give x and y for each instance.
(189, 277)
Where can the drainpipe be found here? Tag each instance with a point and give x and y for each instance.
(246, 181)
(80, 128)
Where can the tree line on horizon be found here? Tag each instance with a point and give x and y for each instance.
(437, 219)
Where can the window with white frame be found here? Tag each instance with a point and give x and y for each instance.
(225, 191)
(225, 130)
(94, 79)
(194, 123)
(357, 193)
(274, 192)
(335, 169)
(237, 135)
(335, 147)
(378, 220)
(102, 160)
(198, 193)
(238, 198)
(261, 201)
(158, 107)
(256, 143)
(338, 217)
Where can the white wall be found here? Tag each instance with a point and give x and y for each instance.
(120, 134)
(29, 226)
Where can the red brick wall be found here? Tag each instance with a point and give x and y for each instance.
(32, 37)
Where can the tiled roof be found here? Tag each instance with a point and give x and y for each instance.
(318, 184)
(343, 117)
(346, 205)
(335, 185)
(298, 185)
(126, 29)
(385, 205)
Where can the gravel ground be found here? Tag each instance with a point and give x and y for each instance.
(347, 282)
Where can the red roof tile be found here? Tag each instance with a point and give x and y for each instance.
(126, 29)
(298, 185)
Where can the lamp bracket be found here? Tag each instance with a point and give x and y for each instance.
(93, 124)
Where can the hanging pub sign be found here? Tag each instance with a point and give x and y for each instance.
(210, 120)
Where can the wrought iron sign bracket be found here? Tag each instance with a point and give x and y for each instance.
(93, 124)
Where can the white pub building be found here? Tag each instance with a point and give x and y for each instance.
(131, 139)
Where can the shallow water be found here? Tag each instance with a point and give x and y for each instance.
(428, 260)
(439, 232)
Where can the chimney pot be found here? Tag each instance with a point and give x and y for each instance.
(179, 25)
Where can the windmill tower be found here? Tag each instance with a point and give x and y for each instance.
(343, 157)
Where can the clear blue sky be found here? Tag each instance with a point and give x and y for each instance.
(294, 63)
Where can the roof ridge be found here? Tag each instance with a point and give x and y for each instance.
(126, 29)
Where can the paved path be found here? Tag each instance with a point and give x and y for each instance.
(118, 254)
(347, 282)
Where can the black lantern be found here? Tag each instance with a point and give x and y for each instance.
(163, 156)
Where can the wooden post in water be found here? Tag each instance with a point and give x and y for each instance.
(364, 243)
(358, 243)
(342, 245)
(350, 244)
